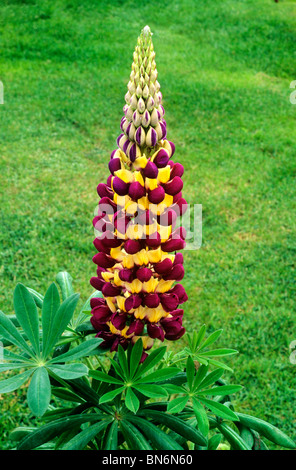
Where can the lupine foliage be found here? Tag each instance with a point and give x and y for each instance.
(115, 401)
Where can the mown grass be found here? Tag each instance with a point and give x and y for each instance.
(225, 70)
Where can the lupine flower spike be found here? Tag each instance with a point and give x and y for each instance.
(138, 267)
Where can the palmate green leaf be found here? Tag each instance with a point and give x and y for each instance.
(82, 350)
(123, 361)
(38, 298)
(174, 389)
(9, 332)
(15, 365)
(61, 320)
(50, 307)
(267, 430)
(177, 404)
(159, 439)
(211, 339)
(111, 441)
(11, 384)
(190, 371)
(101, 376)
(177, 425)
(201, 417)
(158, 375)
(234, 439)
(150, 361)
(66, 394)
(131, 400)
(211, 378)
(218, 409)
(27, 315)
(117, 368)
(39, 392)
(133, 436)
(80, 441)
(151, 391)
(221, 390)
(64, 280)
(111, 395)
(55, 428)
(201, 374)
(135, 357)
(219, 352)
(69, 371)
(216, 363)
(214, 441)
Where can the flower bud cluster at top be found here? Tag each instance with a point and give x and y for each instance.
(138, 267)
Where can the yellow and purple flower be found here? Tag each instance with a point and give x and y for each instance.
(139, 268)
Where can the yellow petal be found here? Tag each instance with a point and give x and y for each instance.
(168, 200)
(150, 285)
(140, 312)
(164, 232)
(125, 175)
(141, 257)
(121, 302)
(164, 286)
(128, 261)
(134, 232)
(164, 174)
(154, 256)
(139, 178)
(110, 303)
(116, 253)
(143, 203)
(107, 276)
(151, 183)
(140, 162)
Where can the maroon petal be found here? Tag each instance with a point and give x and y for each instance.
(103, 260)
(104, 191)
(114, 165)
(100, 246)
(162, 158)
(168, 217)
(136, 328)
(177, 170)
(109, 240)
(169, 302)
(179, 290)
(136, 191)
(126, 275)
(176, 274)
(144, 274)
(132, 246)
(156, 195)
(155, 331)
(173, 245)
(109, 290)
(151, 170)
(153, 240)
(164, 266)
(120, 187)
(96, 301)
(174, 186)
(97, 283)
(118, 320)
(151, 300)
(133, 301)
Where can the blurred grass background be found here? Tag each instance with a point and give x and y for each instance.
(225, 69)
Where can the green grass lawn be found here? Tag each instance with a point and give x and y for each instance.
(225, 69)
